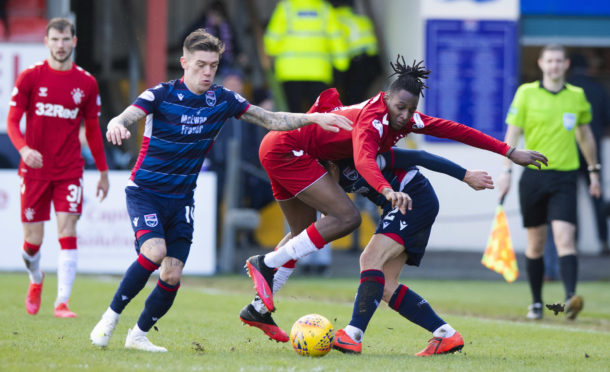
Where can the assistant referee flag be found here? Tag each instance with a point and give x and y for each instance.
(499, 255)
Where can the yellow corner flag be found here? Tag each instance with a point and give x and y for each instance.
(499, 255)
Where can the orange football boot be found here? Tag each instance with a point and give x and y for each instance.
(62, 311)
(345, 344)
(32, 299)
(443, 345)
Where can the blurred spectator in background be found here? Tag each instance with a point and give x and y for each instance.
(305, 38)
(364, 65)
(215, 20)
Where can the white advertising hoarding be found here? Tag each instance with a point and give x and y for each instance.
(105, 237)
(470, 9)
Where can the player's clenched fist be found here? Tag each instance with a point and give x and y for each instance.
(117, 132)
(31, 157)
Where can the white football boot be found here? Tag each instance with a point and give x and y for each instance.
(101, 333)
(136, 339)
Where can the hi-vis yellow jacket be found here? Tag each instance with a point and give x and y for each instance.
(306, 39)
(359, 32)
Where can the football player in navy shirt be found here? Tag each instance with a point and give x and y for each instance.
(183, 117)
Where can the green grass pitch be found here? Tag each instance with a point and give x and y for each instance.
(203, 332)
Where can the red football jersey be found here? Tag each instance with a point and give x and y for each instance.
(55, 103)
(372, 134)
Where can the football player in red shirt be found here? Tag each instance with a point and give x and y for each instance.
(302, 186)
(57, 96)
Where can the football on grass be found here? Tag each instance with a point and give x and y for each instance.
(312, 335)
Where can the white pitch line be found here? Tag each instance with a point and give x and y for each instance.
(535, 324)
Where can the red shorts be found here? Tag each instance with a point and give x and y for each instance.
(37, 195)
(289, 168)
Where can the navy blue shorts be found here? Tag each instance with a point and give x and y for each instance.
(154, 216)
(414, 227)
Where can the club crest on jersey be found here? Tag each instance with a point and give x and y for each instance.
(151, 220)
(210, 98)
(569, 120)
(377, 124)
(42, 91)
(77, 95)
(419, 123)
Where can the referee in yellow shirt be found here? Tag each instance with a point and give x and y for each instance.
(553, 117)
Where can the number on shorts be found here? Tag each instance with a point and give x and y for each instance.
(390, 216)
(76, 193)
(189, 213)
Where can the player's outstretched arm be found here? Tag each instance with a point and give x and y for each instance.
(405, 158)
(117, 127)
(282, 121)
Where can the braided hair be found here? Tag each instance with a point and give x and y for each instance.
(410, 78)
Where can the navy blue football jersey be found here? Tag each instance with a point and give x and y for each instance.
(180, 130)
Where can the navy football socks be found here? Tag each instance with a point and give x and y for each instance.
(368, 297)
(157, 304)
(416, 309)
(535, 276)
(134, 280)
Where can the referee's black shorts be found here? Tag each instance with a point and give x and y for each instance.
(547, 195)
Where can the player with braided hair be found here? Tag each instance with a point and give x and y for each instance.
(302, 186)
(410, 77)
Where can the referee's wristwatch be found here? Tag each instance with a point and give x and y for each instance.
(595, 168)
